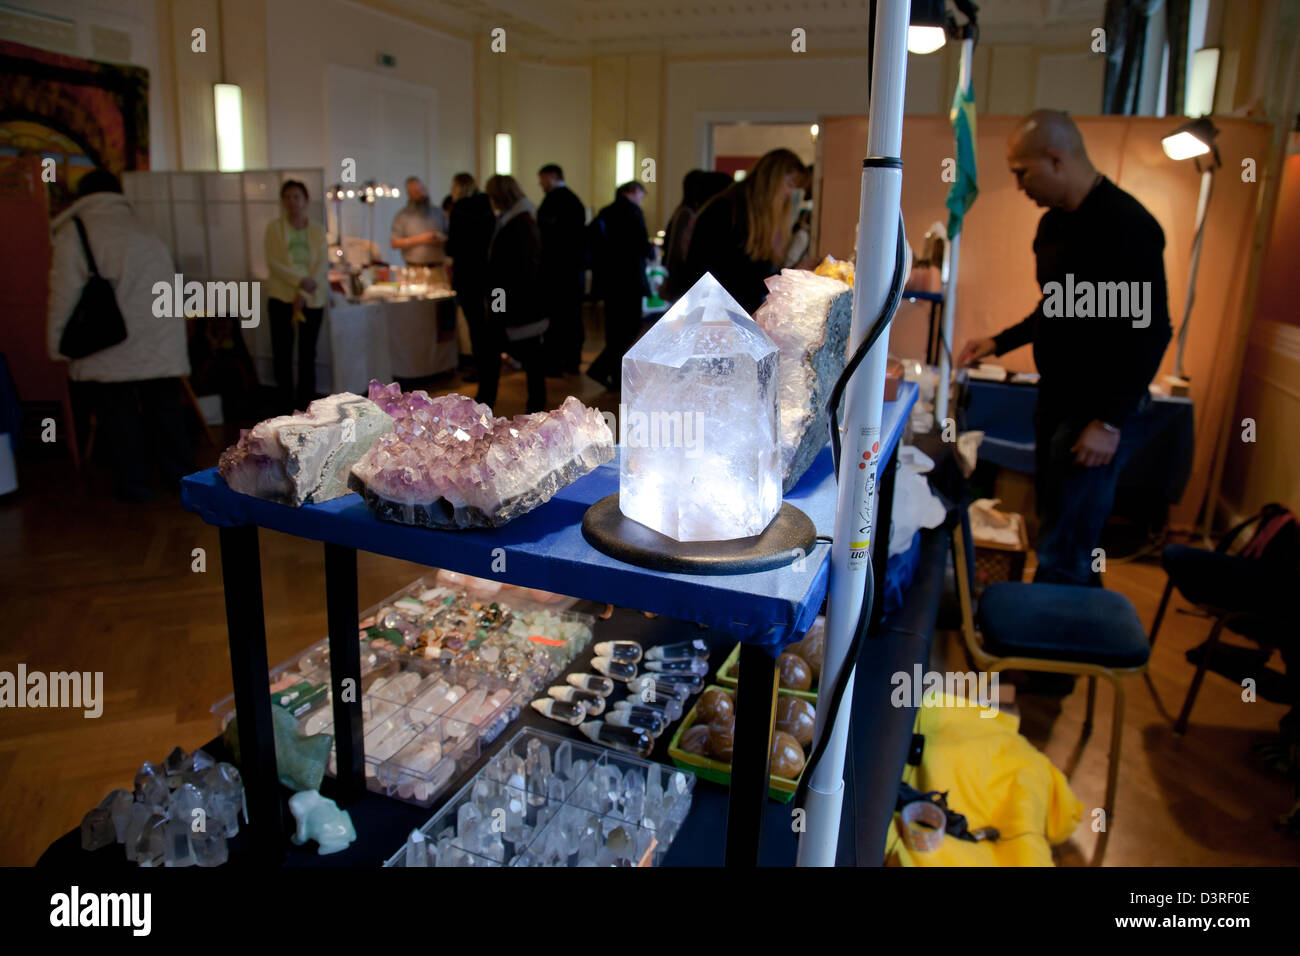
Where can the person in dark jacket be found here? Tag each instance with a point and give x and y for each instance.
(698, 188)
(620, 248)
(740, 235)
(1095, 355)
(472, 222)
(515, 309)
(561, 219)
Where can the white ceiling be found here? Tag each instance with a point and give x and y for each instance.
(581, 28)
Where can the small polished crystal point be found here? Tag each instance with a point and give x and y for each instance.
(417, 850)
(638, 718)
(563, 711)
(97, 829)
(178, 851)
(618, 670)
(119, 804)
(654, 687)
(151, 841)
(690, 665)
(629, 651)
(691, 683)
(626, 739)
(595, 703)
(685, 650)
(175, 762)
(210, 849)
(592, 682)
(669, 708)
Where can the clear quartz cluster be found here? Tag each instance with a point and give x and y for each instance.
(700, 459)
(808, 317)
(545, 801)
(450, 464)
(180, 813)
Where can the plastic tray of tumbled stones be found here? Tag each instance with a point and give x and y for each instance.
(543, 800)
(421, 731)
(532, 648)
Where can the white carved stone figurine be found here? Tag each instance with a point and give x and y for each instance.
(320, 819)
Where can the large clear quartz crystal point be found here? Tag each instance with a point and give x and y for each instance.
(701, 457)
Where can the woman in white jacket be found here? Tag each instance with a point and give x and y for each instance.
(299, 266)
(134, 386)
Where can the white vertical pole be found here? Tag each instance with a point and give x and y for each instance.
(950, 289)
(1202, 206)
(882, 188)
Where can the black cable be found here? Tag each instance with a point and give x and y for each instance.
(877, 329)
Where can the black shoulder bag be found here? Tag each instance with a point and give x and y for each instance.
(96, 322)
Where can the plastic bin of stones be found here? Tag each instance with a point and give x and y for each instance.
(416, 743)
(308, 697)
(494, 655)
(586, 812)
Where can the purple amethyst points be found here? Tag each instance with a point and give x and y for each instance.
(450, 464)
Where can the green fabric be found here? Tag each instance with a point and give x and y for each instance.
(299, 251)
(966, 186)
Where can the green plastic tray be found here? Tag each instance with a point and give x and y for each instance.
(779, 788)
(727, 675)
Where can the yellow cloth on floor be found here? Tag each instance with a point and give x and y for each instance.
(994, 777)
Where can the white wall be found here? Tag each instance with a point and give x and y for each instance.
(93, 36)
(333, 32)
(554, 126)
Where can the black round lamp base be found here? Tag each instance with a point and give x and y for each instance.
(790, 536)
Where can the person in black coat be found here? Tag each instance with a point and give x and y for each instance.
(561, 219)
(620, 248)
(469, 232)
(740, 235)
(515, 314)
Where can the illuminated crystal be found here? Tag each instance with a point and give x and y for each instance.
(700, 459)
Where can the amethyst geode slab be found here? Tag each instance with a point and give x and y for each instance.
(450, 464)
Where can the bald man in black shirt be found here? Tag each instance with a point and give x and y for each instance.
(1098, 332)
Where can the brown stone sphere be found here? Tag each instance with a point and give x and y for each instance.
(715, 705)
(787, 756)
(796, 717)
(795, 672)
(696, 740)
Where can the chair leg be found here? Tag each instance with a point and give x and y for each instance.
(1160, 610)
(1092, 700)
(1112, 774)
(1180, 726)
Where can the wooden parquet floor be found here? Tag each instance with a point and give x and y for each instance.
(93, 585)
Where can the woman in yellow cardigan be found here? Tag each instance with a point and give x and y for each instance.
(299, 265)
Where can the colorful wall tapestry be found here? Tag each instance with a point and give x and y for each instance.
(80, 113)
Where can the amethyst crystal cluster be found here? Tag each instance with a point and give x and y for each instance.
(449, 463)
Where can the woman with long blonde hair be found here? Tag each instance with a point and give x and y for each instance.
(740, 235)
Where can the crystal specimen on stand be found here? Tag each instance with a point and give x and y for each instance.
(450, 464)
(701, 458)
(305, 458)
(808, 317)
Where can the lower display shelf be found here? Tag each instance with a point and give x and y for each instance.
(383, 822)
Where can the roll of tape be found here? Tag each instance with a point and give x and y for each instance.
(923, 826)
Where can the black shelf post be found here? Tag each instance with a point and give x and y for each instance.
(751, 755)
(345, 667)
(241, 570)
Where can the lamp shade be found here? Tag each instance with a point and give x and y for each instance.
(925, 31)
(1195, 138)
